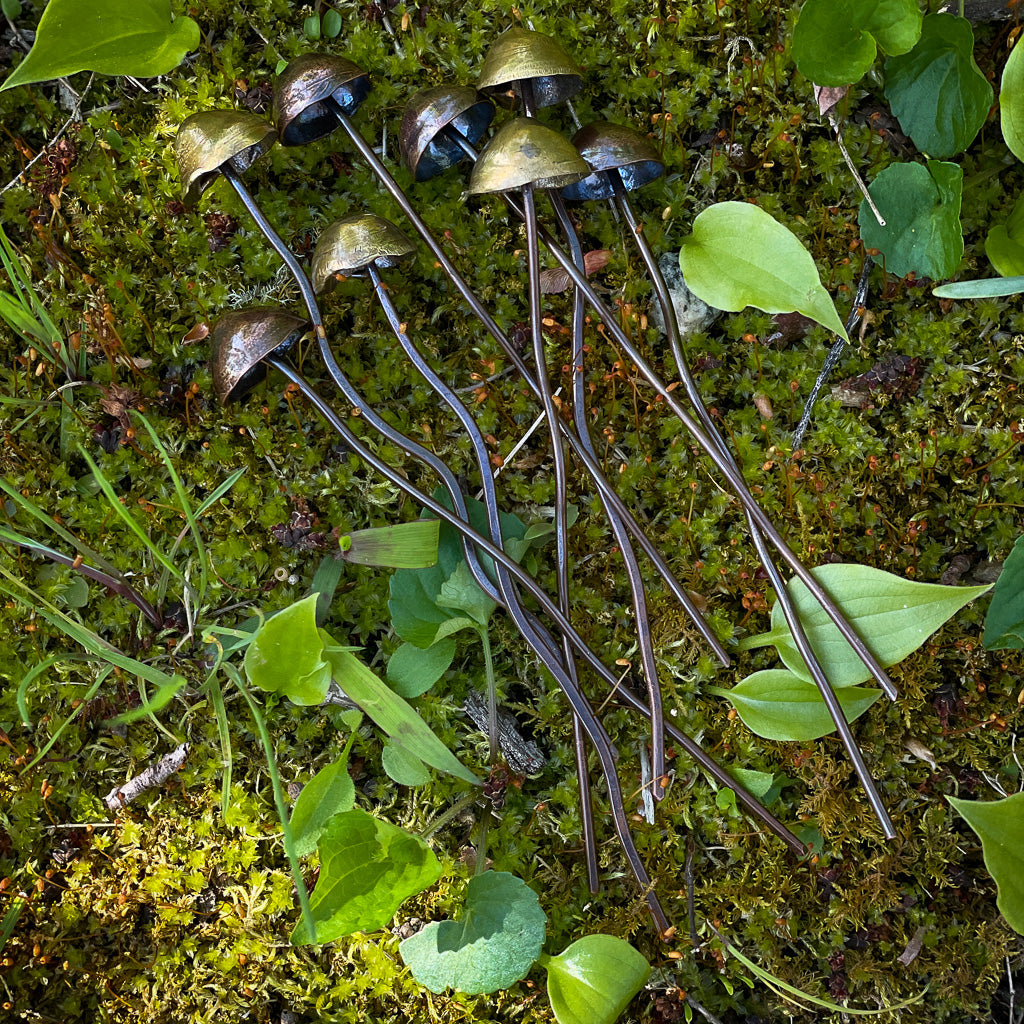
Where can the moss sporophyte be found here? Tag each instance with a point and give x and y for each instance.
(163, 611)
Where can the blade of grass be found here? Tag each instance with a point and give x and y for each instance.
(10, 920)
(127, 518)
(37, 670)
(92, 691)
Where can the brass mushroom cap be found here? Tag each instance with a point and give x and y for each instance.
(351, 244)
(519, 55)
(606, 147)
(208, 140)
(310, 90)
(242, 339)
(426, 148)
(525, 152)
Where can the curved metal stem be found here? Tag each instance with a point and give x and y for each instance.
(782, 594)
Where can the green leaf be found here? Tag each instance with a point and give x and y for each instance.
(921, 207)
(835, 41)
(286, 655)
(112, 37)
(1004, 623)
(12, 10)
(392, 714)
(779, 705)
(405, 768)
(937, 91)
(1004, 245)
(412, 670)
(739, 256)
(894, 616)
(985, 288)
(311, 27)
(331, 791)
(757, 784)
(418, 614)
(492, 946)
(1011, 102)
(331, 23)
(1000, 825)
(406, 546)
(368, 868)
(593, 980)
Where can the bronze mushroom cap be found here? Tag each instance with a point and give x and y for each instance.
(525, 152)
(427, 149)
(208, 140)
(310, 91)
(613, 147)
(353, 243)
(519, 55)
(242, 340)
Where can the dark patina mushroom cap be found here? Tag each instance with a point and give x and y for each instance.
(242, 340)
(613, 147)
(212, 138)
(350, 245)
(526, 152)
(310, 91)
(521, 55)
(427, 149)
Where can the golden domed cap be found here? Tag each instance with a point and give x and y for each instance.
(351, 244)
(519, 55)
(526, 152)
(208, 140)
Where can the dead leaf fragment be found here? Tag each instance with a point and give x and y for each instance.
(828, 96)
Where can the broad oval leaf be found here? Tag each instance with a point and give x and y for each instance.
(739, 256)
(894, 616)
(368, 868)
(112, 37)
(1000, 826)
(331, 791)
(1004, 245)
(921, 207)
(492, 946)
(412, 670)
(393, 715)
(593, 980)
(286, 655)
(779, 705)
(937, 91)
(1011, 102)
(1004, 623)
(835, 41)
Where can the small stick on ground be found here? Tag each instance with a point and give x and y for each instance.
(154, 775)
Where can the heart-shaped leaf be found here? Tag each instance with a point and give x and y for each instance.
(1004, 245)
(937, 91)
(412, 670)
(286, 655)
(1000, 825)
(368, 868)
(835, 41)
(331, 791)
(894, 616)
(1011, 102)
(492, 946)
(739, 256)
(779, 705)
(593, 980)
(1004, 623)
(112, 37)
(921, 208)
(392, 714)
